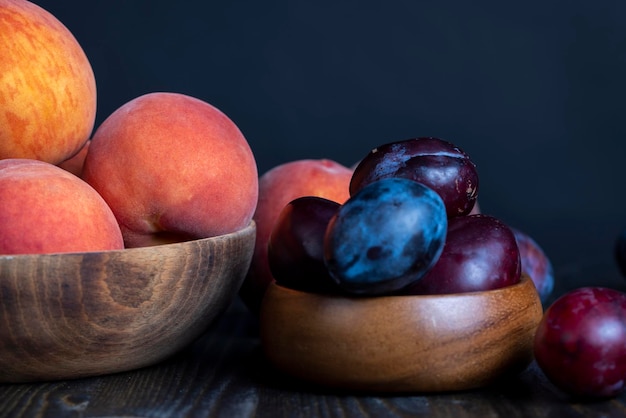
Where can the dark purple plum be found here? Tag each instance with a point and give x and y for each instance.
(296, 245)
(480, 253)
(436, 163)
(385, 236)
(535, 263)
(580, 343)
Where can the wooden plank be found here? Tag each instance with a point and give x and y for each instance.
(224, 374)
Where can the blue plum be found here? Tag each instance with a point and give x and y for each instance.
(436, 163)
(385, 236)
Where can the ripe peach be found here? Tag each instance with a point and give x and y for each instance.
(47, 86)
(172, 167)
(45, 209)
(75, 163)
(277, 187)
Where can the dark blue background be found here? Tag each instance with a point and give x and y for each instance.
(533, 91)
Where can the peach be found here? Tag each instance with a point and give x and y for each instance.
(277, 187)
(47, 86)
(75, 163)
(45, 209)
(172, 168)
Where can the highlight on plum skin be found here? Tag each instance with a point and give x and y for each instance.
(580, 343)
(434, 162)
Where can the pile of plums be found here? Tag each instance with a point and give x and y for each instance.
(407, 229)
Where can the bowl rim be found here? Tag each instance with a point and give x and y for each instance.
(524, 278)
(380, 371)
(195, 279)
(245, 230)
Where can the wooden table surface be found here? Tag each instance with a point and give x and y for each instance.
(224, 374)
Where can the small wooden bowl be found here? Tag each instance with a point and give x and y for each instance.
(401, 343)
(72, 315)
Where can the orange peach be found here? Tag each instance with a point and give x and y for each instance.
(45, 209)
(75, 163)
(173, 168)
(277, 187)
(47, 86)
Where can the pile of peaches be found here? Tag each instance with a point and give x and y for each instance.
(162, 168)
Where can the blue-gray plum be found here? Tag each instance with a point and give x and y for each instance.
(296, 245)
(385, 236)
(480, 253)
(434, 162)
(535, 263)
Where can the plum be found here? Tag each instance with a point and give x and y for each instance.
(385, 236)
(296, 245)
(580, 343)
(480, 253)
(535, 263)
(436, 163)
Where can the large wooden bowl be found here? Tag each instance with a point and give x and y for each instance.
(401, 343)
(82, 314)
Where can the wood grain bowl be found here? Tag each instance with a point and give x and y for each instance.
(72, 315)
(433, 343)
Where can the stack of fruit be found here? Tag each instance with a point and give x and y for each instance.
(409, 225)
(167, 167)
(381, 227)
(163, 168)
(407, 199)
